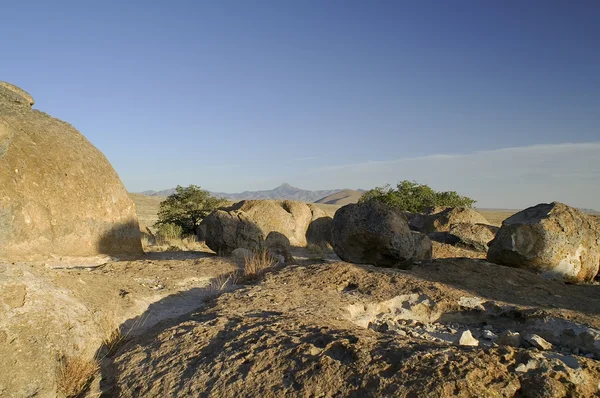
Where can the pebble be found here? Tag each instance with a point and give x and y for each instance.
(467, 339)
(538, 342)
(489, 335)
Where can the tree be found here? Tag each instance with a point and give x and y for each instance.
(187, 207)
(415, 197)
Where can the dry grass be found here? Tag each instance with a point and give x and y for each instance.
(74, 375)
(113, 334)
(258, 263)
(223, 282)
(187, 243)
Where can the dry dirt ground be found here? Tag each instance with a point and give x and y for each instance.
(314, 329)
(338, 329)
(69, 306)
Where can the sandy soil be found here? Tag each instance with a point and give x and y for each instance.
(315, 331)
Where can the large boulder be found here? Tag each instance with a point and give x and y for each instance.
(319, 231)
(441, 221)
(423, 246)
(373, 233)
(278, 245)
(473, 236)
(288, 217)
(552, 238)
(229, 230)
(59, 195)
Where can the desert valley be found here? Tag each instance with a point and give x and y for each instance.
(330, 296)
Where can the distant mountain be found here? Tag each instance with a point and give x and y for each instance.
(341, 198)
(282, 192)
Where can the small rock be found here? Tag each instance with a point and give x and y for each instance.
(489, 335)
(315, 351)
(590, 355)
(467, 339)
(524, 368)
(488, 327)
(538, 342)
(509, 338)
(474, 303)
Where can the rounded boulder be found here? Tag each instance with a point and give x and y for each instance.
(553, 238)
(373, 233)
(59, 195)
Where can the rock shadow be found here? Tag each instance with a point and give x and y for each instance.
(168, 311)
(512, 285)
(122, 241)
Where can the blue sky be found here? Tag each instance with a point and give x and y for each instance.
(244, 95)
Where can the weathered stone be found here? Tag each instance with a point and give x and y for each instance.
(467, 339)
(554, 238)
(373, 233)
(59, 196)
(423, 246)
(291, 218)
(277, 244)
(443, 220)
(473, 236)
(538, 342)
(319, 231)
(416, 221)
(229, 230)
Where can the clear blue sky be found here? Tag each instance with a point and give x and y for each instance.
(237, 95)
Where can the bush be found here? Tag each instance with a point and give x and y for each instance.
(169, 231)
(186, 208)
(415, 198)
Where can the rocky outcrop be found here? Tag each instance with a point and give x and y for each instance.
(444, 219)
(373, 233)
(297, 221)
(552, 238)
(278, 245)
(59, 196)
(319, 231)
(229, 230)
(423, 246)
(473, 236)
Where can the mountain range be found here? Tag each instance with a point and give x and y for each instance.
(283, 192)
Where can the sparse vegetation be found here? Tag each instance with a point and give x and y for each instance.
(415, 197)
(169, 231)
(74, 375)
(186, 208)
(185, 243)
(114, 334)
(222, 282)
(258, 263)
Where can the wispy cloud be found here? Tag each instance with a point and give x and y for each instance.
(507, 177)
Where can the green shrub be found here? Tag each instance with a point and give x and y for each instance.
(186, 208)
(415, 197)
(169, 231)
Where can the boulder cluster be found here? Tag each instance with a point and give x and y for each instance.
(272, 225)
(554, 239)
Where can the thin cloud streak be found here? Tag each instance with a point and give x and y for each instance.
(509, 177)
